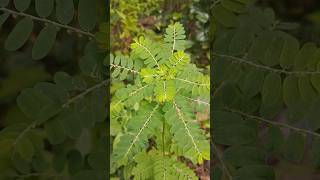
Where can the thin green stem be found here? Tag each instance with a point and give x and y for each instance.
(283, 125)
(163, 151)
(224, 167)
(81, 95)
(263, 67)
(79, 31)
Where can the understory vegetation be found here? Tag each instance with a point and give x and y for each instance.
(266, 95)
(53, 96)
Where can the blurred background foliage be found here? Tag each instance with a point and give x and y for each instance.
(132, 18)
(72, 54)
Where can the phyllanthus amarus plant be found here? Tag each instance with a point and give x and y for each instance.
(153, 118)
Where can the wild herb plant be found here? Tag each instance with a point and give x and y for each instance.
(266, 95)
(154, 115)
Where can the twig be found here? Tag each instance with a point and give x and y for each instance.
(283, 125)
(224, 167)
(47, 21)
(267, 68)
(121, 67)
(191, 82)
(27, 129)
(218, 89)
(199, 101)
(87, 91)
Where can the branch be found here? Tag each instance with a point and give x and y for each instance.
(224, 167)
(34, 124)
(47, 21)
(191, 82)
(198, 100)
(266, 68)
(282, 125)
(121, 67)
(87, 91)
(218, 89)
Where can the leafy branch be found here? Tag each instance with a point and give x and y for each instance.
(79, 31)
(65, 105)
(283, 125)
(267, 68)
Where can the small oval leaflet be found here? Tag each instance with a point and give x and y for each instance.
(64, 11)
(44, 7)
(44, 42)
(3, 18)
(225, 17)
(19, 35)
(291, 93)
(22, 5)
(271, 90)
(87, 14)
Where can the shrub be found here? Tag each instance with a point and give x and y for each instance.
(154, 116)
(267, 86)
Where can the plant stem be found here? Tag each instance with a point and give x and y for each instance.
(283, 125)
(79, 31)
(263, 67)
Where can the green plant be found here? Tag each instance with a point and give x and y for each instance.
(61, 133)
(131, 18)
(154, 117)
(266, 95)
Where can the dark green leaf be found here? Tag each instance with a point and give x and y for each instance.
(293, 148)
(3, 18)
(308, 93)
(44, 7)
(272, 89)
(304, 56)
(289, 51)
(239, 156)
(224, 16)
(75, 161)
(64, 11)
(70, 123)
(19, 35)
(255, 172)
(22, 5)
(231, 134)
(87, 10)
(291, 94)
(25, 148)
(54, 131)
(274, 139)
(44, 42)
(36, 105)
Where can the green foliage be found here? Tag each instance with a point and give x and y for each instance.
(56, 127)
(87, 17)
(265, 81)
(128, 19)
(154, 114)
